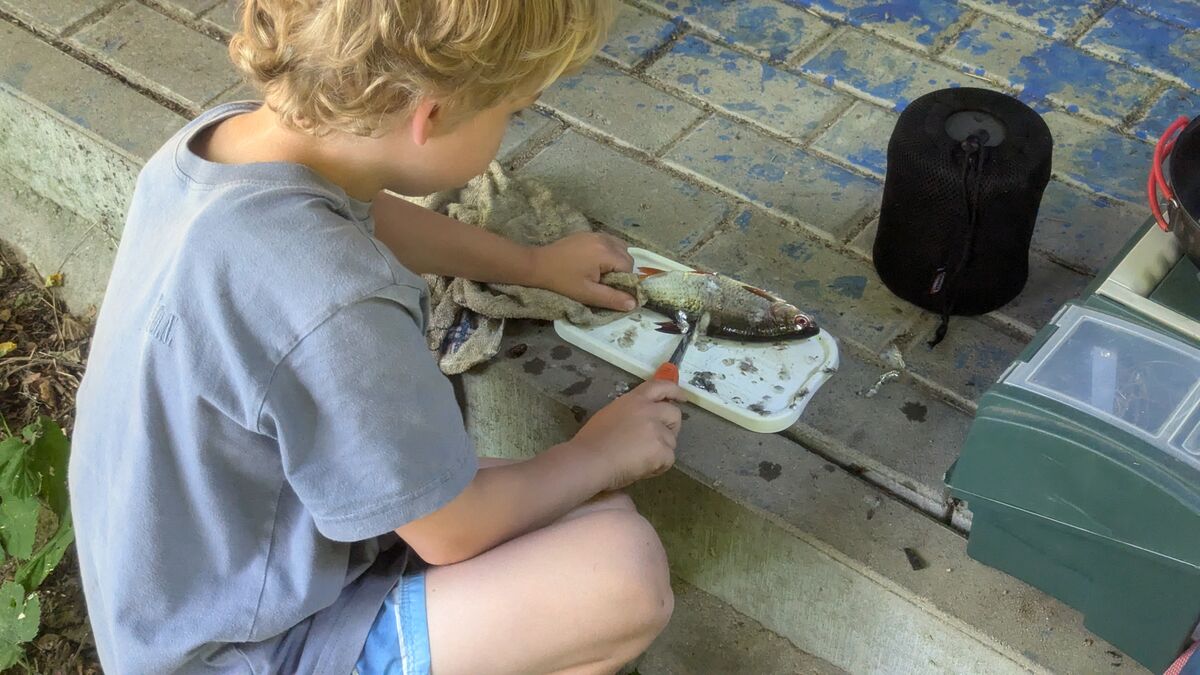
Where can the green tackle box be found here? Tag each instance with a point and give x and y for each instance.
(1082, 467)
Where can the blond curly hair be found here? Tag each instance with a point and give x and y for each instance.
(350, 65)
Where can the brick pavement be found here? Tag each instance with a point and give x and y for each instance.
(747, 137)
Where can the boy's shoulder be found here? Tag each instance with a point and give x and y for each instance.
(272, 241)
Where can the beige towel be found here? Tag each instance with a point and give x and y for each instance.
(467, 318)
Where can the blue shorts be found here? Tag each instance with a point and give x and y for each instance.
(398, 643)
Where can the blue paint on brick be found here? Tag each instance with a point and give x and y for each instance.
(776, 175)
(763, 26)
(850, 286)
(767, 172)
(16, 73)
(1107, 163)
(1145, 42)
(569, 82)
(808, 287)
(723, 158)
(926, 18)
(797, 250)
(837, 66)
(872, 159)
(1055, 67)
(692, 46)
(743, 220)
(879, 70)
(1172, 104)
(724, 78)
(693, 81)
(1185, 13)
(745, 107)
(1052, 17)
(1082, 229)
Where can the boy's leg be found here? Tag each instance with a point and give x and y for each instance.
(586, 594)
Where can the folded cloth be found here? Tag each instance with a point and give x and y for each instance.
(466, 317)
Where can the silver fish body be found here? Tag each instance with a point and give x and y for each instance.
(737, 311)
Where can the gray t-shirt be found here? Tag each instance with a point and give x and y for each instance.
(259, 413)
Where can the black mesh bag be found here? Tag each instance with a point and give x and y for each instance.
(966, 172)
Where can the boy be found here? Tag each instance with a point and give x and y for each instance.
(260, 418)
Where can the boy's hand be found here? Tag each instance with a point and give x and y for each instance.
(573, 265)
(634, 436)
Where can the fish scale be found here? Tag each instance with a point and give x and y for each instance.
(738, 311)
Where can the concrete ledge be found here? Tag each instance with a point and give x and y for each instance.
(53, 239)
(809, 550)
(64, 162)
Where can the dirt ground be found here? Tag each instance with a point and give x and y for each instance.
(40, 377)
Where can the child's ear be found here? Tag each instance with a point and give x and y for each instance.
(424, 119)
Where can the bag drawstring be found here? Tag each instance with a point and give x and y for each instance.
(975, 153)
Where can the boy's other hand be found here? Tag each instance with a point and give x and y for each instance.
(573, 265)
(634, 436)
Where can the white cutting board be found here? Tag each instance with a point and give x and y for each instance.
(762, 386)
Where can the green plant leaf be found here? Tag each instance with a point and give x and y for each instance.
(20, 616)
(39, 566)
(17, 478)
(10, 655)
(48, 458)
(18, 525)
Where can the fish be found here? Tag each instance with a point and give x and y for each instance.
(735, 310)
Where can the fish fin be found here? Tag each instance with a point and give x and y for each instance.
(669, 327)
(644, 272)
(762, 294)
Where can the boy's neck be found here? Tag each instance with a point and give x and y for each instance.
(258, 136)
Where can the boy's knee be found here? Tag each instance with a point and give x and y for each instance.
(639, 581)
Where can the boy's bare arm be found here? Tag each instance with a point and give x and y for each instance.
(430, 243)
(630, 439)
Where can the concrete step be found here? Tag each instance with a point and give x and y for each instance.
(813, 552)
(708, 636)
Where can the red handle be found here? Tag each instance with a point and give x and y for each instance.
(667, 371)
(1155, 182)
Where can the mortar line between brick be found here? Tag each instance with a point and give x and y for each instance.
(1121, 128)
(657, 53)
(1065, 264)
(225, 92)
(92, 17)
(831, 118)
(1169, 22)
(723, 227)
(862, 473)
(95, 64)
(959, 27)
(179, 16)
(1007, 324)
(817, 45)
(678, 172)
(871, 215)
(1072, 37)
(536, 144)
(1142, 110)
(684, 133)
(803, 141)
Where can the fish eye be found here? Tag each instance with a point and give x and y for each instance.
(801, 321)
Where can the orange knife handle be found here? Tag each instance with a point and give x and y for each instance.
(667, 371)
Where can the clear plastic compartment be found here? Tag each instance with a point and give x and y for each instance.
(1120, 373)
(1124, 374)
